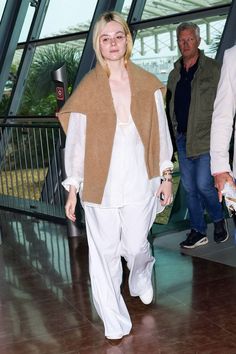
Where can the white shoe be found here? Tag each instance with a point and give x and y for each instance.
(119, 336)
(147, 297)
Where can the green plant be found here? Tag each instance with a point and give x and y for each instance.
(39, 95)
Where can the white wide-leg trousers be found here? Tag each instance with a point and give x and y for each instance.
(112, 233)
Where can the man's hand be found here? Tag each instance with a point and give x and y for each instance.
(220, 180)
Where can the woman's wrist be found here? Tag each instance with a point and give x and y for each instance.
(167, 175)
(167, 179)
(72, 189)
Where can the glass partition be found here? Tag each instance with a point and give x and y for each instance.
(162, 8)
(39, 94)
(126, 8)
(69, 17)
(2, 6)
(156, 48)
(27, 24)
(4, 102)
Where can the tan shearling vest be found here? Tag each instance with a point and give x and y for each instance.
(93, 98)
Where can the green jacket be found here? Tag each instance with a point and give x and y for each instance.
(204, 86)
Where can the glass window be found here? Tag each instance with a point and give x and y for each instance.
(126, 8)
(27, 23)
(2, 6)
(10, 82)
(71, 16)
(165, 8)
(156, 48)
(39, 96)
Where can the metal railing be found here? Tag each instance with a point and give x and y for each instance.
(30, 166)
(31, 172)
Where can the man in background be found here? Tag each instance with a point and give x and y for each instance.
(192, 86)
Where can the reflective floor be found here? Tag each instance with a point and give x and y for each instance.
(46, 306)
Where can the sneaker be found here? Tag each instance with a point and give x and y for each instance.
(194, 239)
(147, 297)
(220, 233)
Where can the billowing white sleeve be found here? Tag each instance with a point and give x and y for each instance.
(75, 151)
(223, 116)
(166, 148)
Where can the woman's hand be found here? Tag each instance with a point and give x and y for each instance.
(71, 204)
(165, 193)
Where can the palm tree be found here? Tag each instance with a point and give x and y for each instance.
(39, 95)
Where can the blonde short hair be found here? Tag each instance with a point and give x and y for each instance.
(99, 25)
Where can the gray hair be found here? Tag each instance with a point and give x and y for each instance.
(188, 25)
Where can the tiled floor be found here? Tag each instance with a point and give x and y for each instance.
(46, 306)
